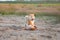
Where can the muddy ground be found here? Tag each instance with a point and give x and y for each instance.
(11, 28)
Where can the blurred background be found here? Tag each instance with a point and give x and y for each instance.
(12, 19)
(20, 7)
(41, 8)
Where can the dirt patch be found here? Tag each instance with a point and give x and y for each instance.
(11, 29)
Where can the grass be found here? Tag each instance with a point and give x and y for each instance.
(13, 13)
(6, 8)
(31, 2)
(43, 4)
(37, 14)
(52, 17)
(11, 8)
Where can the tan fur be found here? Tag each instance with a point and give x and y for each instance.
(30, 21)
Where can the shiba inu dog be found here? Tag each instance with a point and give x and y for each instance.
(30, 22)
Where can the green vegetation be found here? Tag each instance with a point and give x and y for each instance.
(14, 9)
(31, 2)
(25, 13)
(53, 17)
(10, 10)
